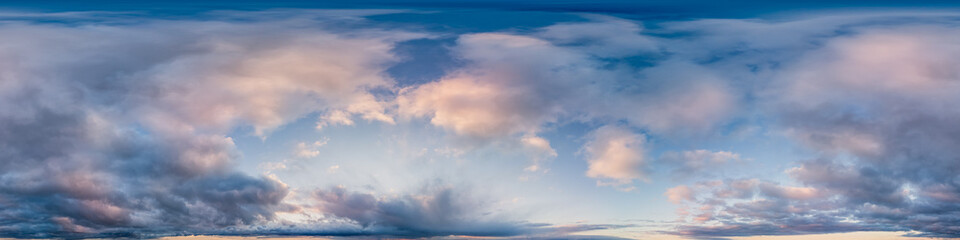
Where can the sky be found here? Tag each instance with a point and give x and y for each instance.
(479, 119)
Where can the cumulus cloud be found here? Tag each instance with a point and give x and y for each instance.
(269, 86)
(616, 153)
(515, 83)
(120, 129)
(513, 86)
(872, 104)
(885, 106)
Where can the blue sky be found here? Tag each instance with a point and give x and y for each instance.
(494, 119)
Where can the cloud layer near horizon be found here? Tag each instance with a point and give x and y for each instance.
(125, 127)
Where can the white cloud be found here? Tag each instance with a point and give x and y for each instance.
(513, 85)
(305, 150)
(497, 96)
(679, 194)
(539, 149)
(616, 153)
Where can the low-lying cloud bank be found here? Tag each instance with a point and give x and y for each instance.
(435, 211)
(119, 128)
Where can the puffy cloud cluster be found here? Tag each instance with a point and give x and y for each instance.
(514, 85)
(617, 154)
(120, 128)
(882, 96)
(874, 106)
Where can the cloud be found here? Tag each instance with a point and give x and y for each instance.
(126, 128)
(603, 36)
(498, 94)
(540, 150)
(512, 87)
(308, 151)
(617, 154)
(885, 107)
(747, 207)
(696, 162)
(435, 211)
(679, 96)
(271, 85)
(871, 104)
(515, 85)
(679, 193)
(119, 129)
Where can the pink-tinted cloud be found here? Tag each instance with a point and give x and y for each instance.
(616, 154)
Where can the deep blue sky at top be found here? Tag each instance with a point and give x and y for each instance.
(653, 9)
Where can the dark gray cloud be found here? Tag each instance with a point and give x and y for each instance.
(70, 173)
(63, 178)
(436, 211)
(439, 211)
(749, 207)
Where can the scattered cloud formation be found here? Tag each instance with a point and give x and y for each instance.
(130, 125)
(747, 207)
(871, 105)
